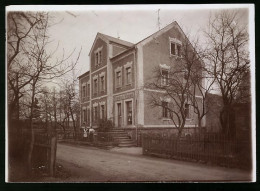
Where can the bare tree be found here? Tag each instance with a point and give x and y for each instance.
(19, 28)
(227, 54)
(201, 82)
(36, 59)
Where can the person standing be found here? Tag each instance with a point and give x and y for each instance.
(91, 133)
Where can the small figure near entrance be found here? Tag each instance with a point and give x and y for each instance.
(91, 133)
(85, 131)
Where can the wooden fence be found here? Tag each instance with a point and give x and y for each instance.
(205, 148)
(44, 151)
(98, 136)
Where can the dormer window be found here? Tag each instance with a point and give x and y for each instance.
(175, 47)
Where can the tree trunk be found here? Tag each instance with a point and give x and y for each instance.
(30, 151)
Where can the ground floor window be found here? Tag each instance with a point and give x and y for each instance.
(88, 116)
(95, 114)
(164, 109)
(84, 115)
(102, 108)
(187, 111)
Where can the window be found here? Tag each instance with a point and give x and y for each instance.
(102, 107)
(178, 50)
(88, 90)
(129, 112)
(175, 49)
(118, 78)
(88, 116)
(164, 77)
(98, 58)
(95, 114)
(128, 75)
(185, 76)
(95, 86)
(187, 111)
(165, 109)
(82, 91)
(102, 81)
(119, 109)
(84, 115)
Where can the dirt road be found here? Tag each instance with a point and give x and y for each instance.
(88, 164)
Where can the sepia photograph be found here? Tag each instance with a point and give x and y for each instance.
(130, 93)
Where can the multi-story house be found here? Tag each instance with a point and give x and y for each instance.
(114, 86)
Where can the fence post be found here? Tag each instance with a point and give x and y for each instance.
(53, 155)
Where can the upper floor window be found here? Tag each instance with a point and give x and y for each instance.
(88, 90)
(128, 75)
(175, 47)
(118, 78)
(164, 74)
(102, 83)
(164, 77)
(95, 86)
(98, 56)
(165, 109)
(128, 72)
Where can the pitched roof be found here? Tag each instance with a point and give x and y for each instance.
(167, 27)
(83, 74)
(117, 40)
(111, 39)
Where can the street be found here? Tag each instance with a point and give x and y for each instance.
(89, 164)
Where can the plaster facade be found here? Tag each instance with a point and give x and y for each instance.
(126, 68)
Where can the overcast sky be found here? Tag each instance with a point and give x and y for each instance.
(77, 26)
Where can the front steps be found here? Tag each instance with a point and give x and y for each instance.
(121, 137)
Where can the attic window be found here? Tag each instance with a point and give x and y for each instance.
(175, 47)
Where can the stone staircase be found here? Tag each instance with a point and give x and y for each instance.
(121, 137)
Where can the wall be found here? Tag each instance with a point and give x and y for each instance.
(154, 115)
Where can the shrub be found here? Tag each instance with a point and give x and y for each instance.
(104, 125)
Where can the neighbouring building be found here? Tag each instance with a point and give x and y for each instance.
(113, 88)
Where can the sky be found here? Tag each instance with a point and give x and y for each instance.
(76, 26)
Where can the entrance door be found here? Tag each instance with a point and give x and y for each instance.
(119, 112)
(129, 113)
